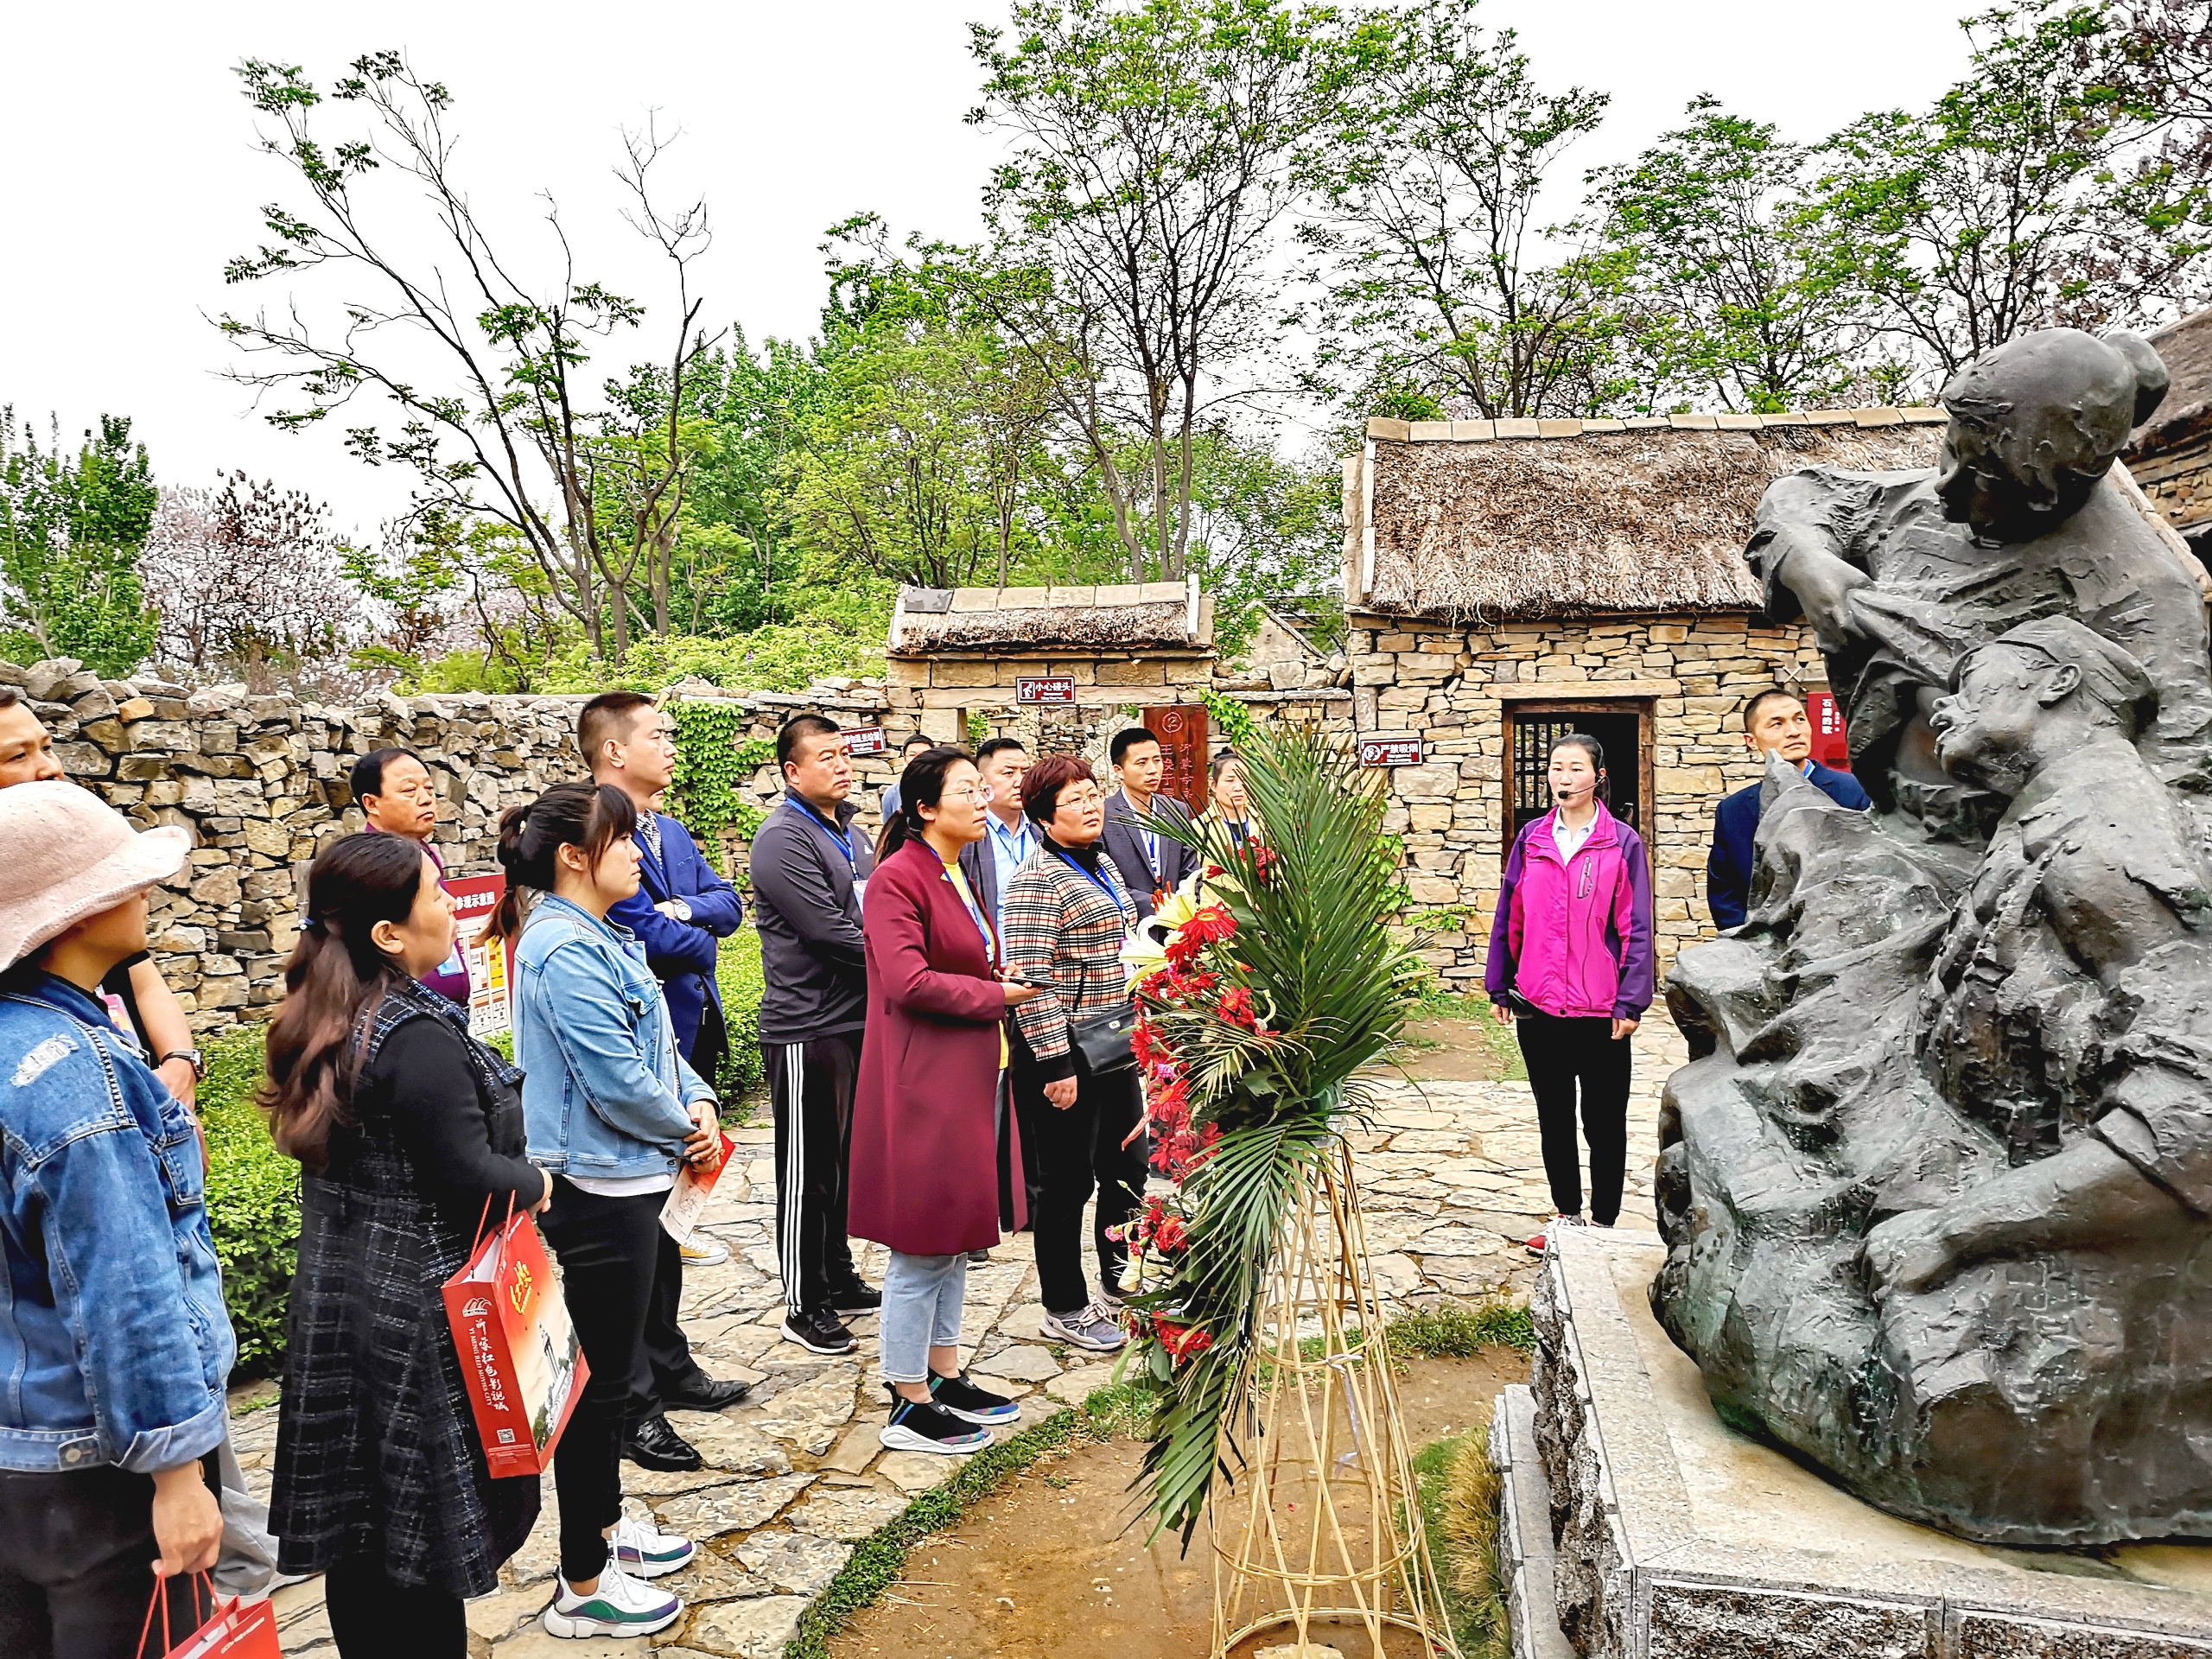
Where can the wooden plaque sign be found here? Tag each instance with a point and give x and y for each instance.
(1181, 729)
(1390, 751)
(1055, 691)
(863, 740)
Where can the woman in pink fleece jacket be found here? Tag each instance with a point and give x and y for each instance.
(1571, 962)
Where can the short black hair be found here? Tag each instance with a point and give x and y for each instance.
(1751, 709)
(799, 726)
(922, 738)
(991, 746)
(1127, 739)
(367, 776)
(609, 714)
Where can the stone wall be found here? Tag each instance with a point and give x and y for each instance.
(261, 780)
(1450, 686)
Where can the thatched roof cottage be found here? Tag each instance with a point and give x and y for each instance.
(1507, 582)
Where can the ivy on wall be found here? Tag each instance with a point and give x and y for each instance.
(710, 764)
(1229, 716)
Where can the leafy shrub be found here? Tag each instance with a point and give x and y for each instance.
(738, 973)
(253, 1202)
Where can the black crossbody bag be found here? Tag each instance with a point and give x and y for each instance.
(1100, 1042)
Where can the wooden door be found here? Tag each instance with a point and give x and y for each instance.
(1181, 729)
(1622, 729)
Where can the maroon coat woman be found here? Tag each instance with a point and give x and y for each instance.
(929, 1173)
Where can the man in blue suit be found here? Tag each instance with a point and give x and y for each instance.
(680, 912)
(1774, 723)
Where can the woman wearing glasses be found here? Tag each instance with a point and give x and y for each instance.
(1065, 917)
(931, 1179)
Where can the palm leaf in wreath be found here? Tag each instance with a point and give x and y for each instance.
(1311, 947)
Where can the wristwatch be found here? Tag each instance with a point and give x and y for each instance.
(190, 1057)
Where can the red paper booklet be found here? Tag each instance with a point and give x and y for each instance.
(687, 1199)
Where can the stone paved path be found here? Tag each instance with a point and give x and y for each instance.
(1452, 1181)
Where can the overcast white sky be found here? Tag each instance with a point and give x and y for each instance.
(133, 172)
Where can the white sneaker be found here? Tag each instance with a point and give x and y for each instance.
(621, 1606)
(1093, 1328)
(1537, 1245)
(644, 1552)
(704, 1252)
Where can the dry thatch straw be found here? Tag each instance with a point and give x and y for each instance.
(1116, 627)
(1641, 521)
(1470, 1519)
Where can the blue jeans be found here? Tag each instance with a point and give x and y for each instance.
(921, 1296)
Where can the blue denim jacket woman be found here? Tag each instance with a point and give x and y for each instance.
(114, 1344)
(605, 1093)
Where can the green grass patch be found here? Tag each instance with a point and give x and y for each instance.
(1460, 1330)
(1458, 1493)
(737, 974)
(253, 1202)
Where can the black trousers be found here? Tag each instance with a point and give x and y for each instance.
(609, 1253)
(810, 1089)
(1079, 1149)
(371, 1617)
(1562, 1053)
(668, 1351)
(76, 1571)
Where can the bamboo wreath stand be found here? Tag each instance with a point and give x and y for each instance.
(1321, 1531)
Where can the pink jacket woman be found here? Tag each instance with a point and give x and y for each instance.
(1572, 937)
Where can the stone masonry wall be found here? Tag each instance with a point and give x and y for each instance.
(1443, 684)
(261, 781)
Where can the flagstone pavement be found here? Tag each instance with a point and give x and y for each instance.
(1451, 1180)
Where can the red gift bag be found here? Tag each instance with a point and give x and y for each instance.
(234, 1629)
(519, 1357)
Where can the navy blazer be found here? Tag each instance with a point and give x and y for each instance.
(681, 954)
(1735, 828)
(1125, 846)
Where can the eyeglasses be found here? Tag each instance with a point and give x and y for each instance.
(980, 793)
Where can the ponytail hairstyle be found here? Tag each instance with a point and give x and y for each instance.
(336, 974)
(921, 784)
(591, 816)
(1596, 750)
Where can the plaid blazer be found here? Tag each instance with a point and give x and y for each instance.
(1063, 933)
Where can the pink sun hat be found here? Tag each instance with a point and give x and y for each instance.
(74, 856)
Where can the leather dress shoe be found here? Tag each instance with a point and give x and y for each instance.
(706, 1393)
(654, 1444)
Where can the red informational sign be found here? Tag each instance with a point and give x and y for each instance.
(1390, 751)
(1181, 729)
(1055, 689)
(863, 740)
(1830, 745)
(491, 973)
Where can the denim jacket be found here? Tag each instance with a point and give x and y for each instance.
(114, 1344)
(604, 1092)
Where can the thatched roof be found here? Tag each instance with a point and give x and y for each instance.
(2185, 413)
(1127, 616)
(1535, 519)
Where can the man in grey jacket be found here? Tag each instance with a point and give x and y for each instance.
(810, 870)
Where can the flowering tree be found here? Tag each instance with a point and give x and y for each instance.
(249, 580)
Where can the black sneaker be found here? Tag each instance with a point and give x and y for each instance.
(819, 1330)
(970, 1403)
(919, 1427)
(858, 1297)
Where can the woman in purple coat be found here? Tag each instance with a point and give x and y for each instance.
(928, 1170)
(1570, 960)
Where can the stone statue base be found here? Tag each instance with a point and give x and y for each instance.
(1663, 1532)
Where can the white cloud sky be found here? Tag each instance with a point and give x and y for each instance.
(134, 173)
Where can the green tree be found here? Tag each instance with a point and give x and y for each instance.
(1729, 296)
(71, 529)
(1135, 220)
(504, 424)
(1436, 280)
(1978, 221)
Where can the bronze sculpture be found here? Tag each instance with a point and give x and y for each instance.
(1936, 1183)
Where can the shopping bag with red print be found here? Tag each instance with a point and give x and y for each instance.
(232, 1628)
(519, 1357)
